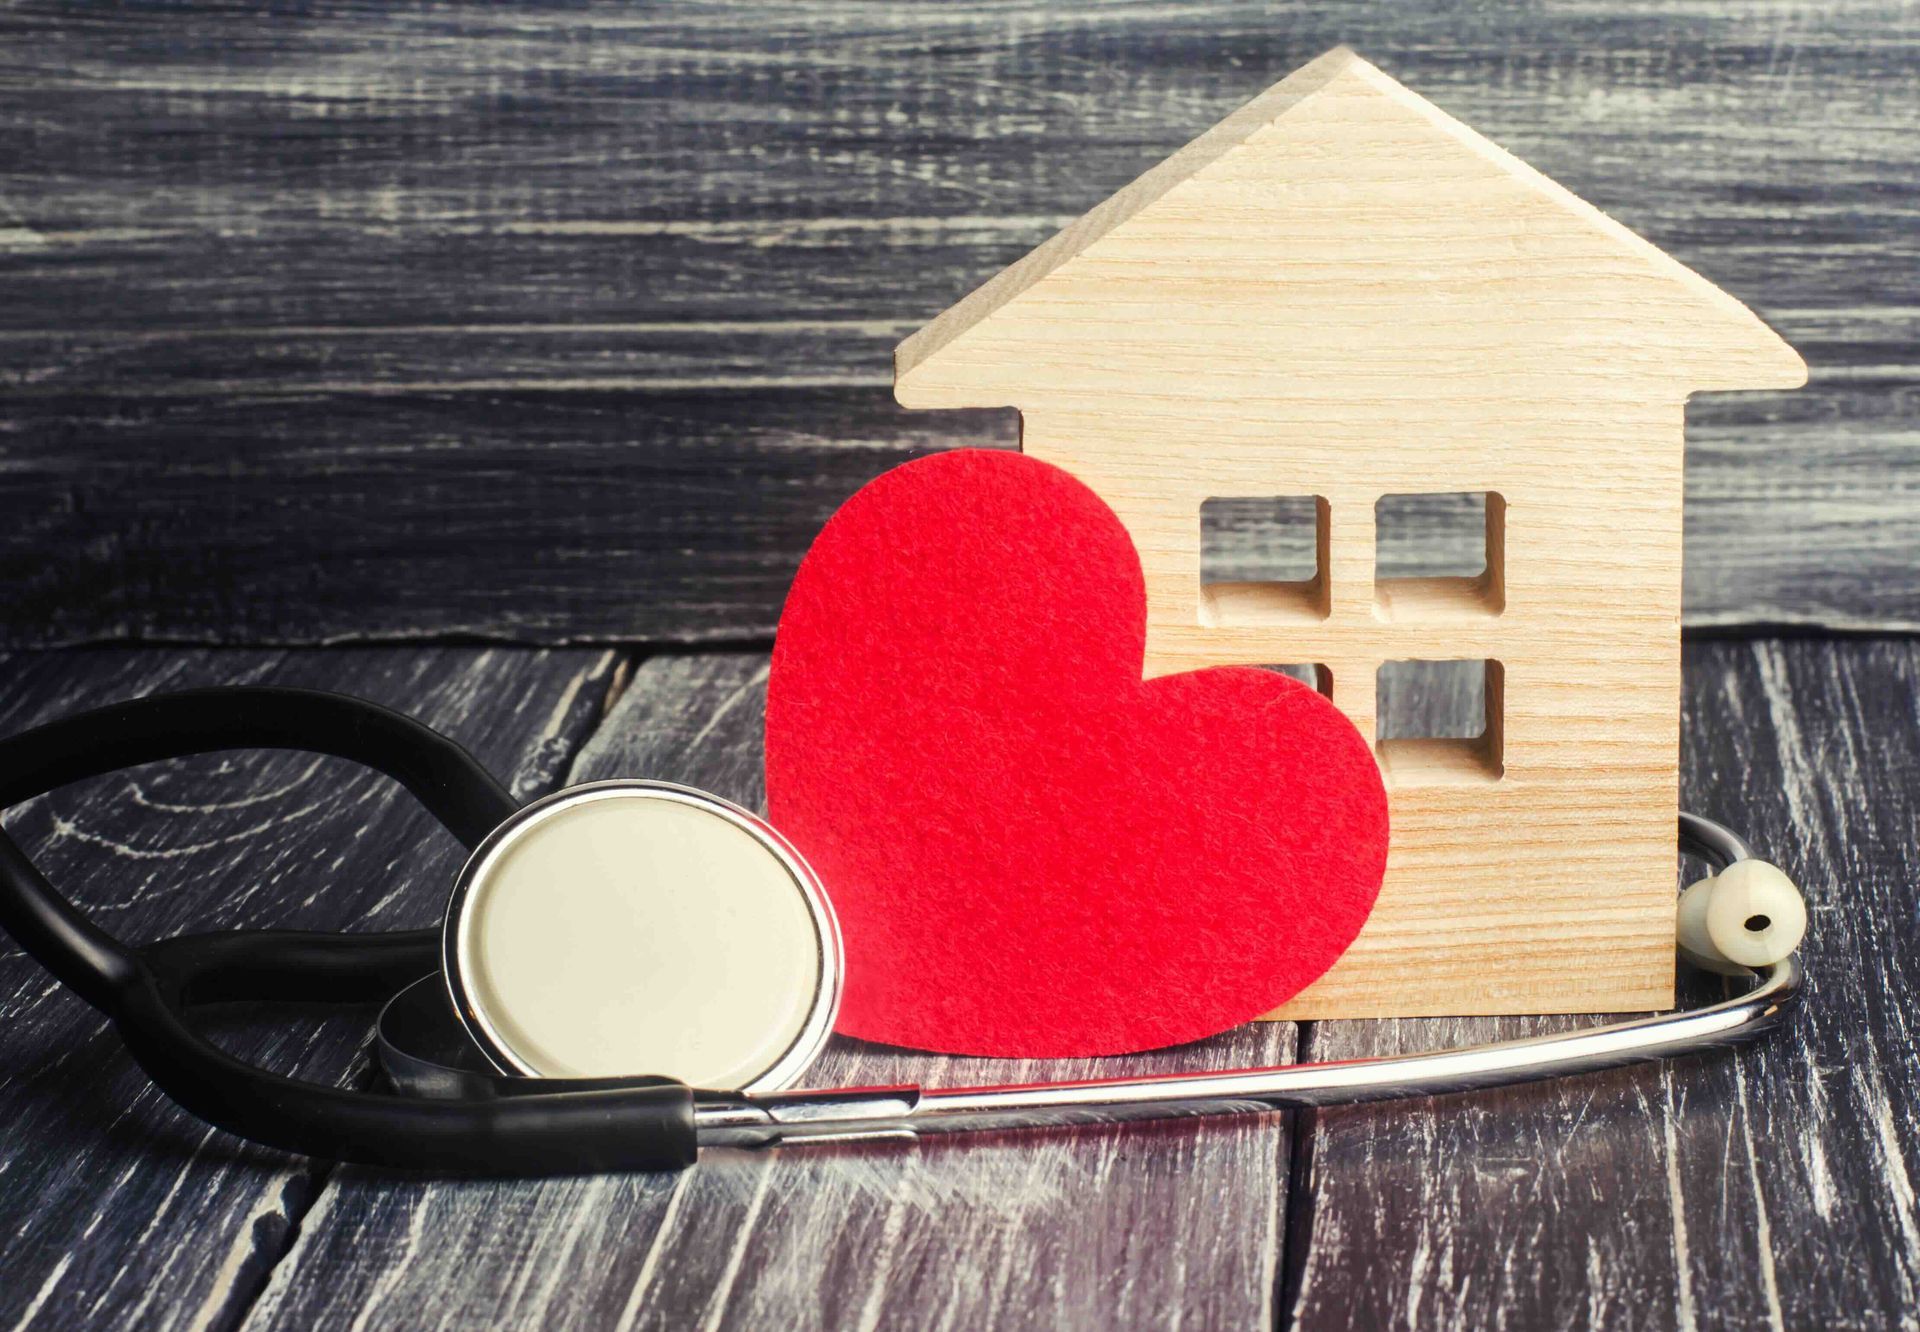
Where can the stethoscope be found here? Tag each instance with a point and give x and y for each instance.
(621, 926)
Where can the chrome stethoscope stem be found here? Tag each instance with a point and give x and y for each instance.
(870, 1113)
(909, 1112)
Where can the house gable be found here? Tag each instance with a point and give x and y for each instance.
(1338, 228)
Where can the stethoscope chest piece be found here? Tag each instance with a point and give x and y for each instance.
(626, 928)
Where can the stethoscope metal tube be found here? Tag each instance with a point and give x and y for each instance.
(785, 1118)
(905, 1113)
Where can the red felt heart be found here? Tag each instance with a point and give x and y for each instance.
(1033, 852)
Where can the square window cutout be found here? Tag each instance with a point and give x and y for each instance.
(1439, 721)
(1440, 557)
(1312, 674)
(1263, 561)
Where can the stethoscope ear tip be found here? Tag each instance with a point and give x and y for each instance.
(1748, 915)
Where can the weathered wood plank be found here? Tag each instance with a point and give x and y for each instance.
(226, 229)
(550, 517)
(117, 1209)
(613, 518)
(1768, 1189)
(537, 166)
(1142, 1226)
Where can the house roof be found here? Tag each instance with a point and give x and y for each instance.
(1338, 222)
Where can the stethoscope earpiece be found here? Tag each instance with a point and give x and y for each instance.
(1749, 915)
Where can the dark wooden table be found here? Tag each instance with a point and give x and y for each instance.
(1774, 1187)
(498, 360)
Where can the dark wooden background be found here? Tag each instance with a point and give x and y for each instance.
(557, 322)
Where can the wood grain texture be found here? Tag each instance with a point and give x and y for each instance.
(603, 517)
(1339, 293)
(1142, 1226)
(483, 172)
(275, 219)
(1768, 1189)
(569, 517)
(1772, 1188)
(117, 1209)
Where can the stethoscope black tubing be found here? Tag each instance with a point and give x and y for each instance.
(548, 1127)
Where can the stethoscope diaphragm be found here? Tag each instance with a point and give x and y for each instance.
(629, 927)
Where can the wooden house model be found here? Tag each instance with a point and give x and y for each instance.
(1344, 296)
